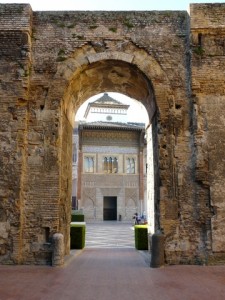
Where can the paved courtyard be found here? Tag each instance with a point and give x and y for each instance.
(109, 268)
(109, 234)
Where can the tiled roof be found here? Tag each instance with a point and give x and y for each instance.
(105, 102)
(106, 99)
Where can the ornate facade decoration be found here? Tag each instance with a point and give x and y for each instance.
(111, 168)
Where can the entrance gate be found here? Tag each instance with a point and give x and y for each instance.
(52, 62)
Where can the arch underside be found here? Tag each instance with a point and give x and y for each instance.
(135, 74)
(111, 76)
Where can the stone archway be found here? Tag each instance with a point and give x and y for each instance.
(52, 62)
(132, 72)
(116, 72)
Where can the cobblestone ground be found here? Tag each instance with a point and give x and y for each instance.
(109, 268)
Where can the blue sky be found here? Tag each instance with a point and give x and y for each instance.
(110, 4)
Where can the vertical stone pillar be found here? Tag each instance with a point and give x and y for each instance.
(58, 250)
(79, 168)
(157, 250)
(15, 66)
(80, 163)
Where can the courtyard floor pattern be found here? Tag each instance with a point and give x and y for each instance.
(109, 234)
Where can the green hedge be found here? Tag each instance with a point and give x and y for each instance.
(141, 237)
(77, 236)
(77, 218)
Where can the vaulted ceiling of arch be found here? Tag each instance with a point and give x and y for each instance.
(110, 76)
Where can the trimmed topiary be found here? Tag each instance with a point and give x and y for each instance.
(77, 236)
(141, 237)
(77, 218)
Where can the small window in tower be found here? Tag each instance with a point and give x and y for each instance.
(109, 118)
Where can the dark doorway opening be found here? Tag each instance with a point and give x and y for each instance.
(110, 208)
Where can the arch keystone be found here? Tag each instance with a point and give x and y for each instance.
(110, 55)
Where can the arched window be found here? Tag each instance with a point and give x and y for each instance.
(130, 165)
(89, 164)
(105, 165)
(115, 165)
(110, 165)
(74, 153)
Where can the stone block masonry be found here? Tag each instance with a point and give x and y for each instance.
(172, 62)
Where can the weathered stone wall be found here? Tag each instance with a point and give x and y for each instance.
(15, 60)
(66, 182)
(208, 83)
(51, 62)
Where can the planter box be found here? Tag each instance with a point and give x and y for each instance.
(77, 218)
(141, 237)
(77, 235)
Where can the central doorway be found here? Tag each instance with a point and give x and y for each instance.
(110, 208)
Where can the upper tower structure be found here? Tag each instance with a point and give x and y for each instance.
(106, 109)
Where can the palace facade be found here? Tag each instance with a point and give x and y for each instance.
(111, 168)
